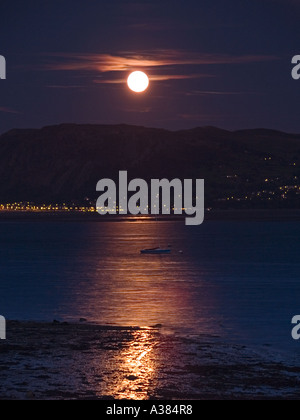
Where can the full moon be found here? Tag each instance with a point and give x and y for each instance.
(138, 81)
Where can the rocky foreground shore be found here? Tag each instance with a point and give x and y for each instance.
(82, 361)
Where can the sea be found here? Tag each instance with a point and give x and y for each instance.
(238, 281)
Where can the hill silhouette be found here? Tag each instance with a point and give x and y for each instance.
(65, 162)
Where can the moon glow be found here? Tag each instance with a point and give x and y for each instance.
(138, 81)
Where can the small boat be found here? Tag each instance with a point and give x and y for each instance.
(156, 251)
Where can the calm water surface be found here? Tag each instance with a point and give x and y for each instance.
(236, 280)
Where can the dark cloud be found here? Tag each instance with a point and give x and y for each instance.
(7, 110)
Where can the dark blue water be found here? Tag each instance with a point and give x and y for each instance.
(237, 280)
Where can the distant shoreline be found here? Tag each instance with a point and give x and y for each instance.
(215, 215)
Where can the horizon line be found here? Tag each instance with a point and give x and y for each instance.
(149, 128)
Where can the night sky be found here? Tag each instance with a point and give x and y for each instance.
(211, 62)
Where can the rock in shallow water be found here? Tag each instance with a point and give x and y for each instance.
(132, 378)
